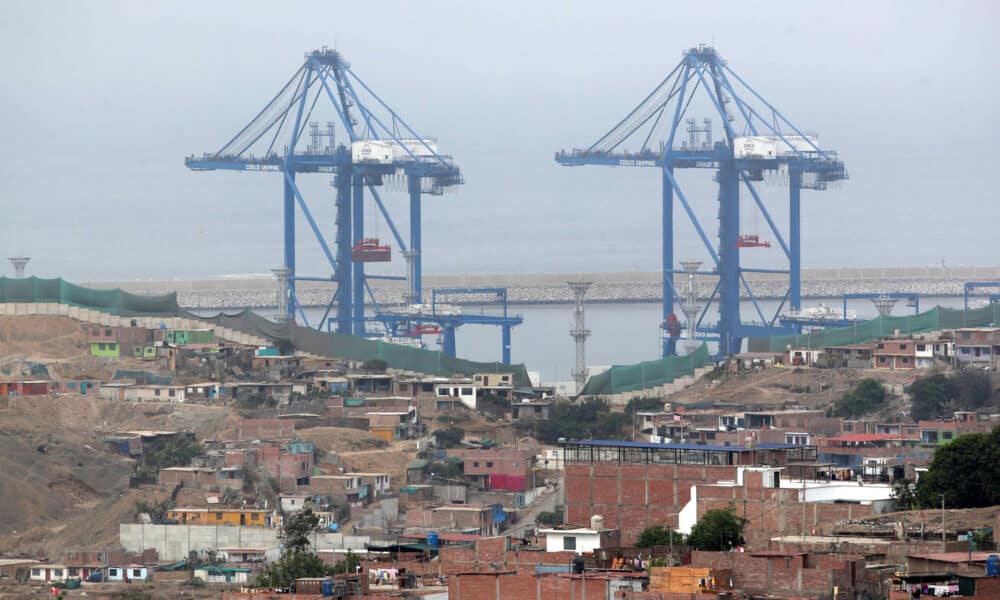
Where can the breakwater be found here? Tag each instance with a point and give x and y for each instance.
(550, 288)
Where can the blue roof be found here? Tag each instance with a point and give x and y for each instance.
(655, 446)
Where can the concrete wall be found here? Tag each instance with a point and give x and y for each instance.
(175, 542)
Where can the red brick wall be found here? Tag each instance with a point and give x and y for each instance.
(487, 553)
(503, 586)
(758, 574)
(634, 496)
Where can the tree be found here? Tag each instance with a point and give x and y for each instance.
(966, 472)
(348, 565)
(374, 365)
(866, 396)
(717, 529)
(548, 518)
(658, 535)
(297, 529)
(591, 418)
(297, 560)
(292, 566)
(930, 395)
(904, 497)
(972, 388)
(450, 437)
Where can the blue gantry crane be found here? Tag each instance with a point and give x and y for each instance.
(443, 319)
(970, 287)
(377, 147)
(757, 141)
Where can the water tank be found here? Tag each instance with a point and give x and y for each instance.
(432, 539)
(993, 565)
(326, 588)
(597, 522)
(334, 527)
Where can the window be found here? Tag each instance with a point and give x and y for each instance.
(963, 350)
(906, 360)
(475, 463)
(156, 392)
(489, 464)
(255, 517)
(172, 393)
(880, 345)
(218, 516)
(479, 377)
(73, 572)
(36, 572)
(467, 391)
(921, 347)
(946, 435)
(136, 573)
(902, 346)
(100, 346)
(881, 360)
(569, 542)
(442, 391)
(538, 410)
(112, 572)
(107, 333)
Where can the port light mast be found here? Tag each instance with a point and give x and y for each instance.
(758, 144)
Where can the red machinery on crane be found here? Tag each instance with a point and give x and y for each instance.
(369, 250)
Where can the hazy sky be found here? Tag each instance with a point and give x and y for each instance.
(102, 100)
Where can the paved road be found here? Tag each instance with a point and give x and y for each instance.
(547, 502)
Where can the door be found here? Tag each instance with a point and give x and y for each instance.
(243, 519)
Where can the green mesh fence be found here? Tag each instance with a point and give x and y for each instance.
(645, 375)
(934, 319)
(322, 343)
(114, 301)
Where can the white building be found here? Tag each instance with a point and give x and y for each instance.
(580, 539)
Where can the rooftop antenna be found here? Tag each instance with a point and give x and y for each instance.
(19, 263)
(580, 333)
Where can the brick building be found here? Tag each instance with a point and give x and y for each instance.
(500, 469)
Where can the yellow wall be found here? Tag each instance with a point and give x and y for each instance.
(220, 517)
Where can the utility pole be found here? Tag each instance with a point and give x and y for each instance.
(944, 543)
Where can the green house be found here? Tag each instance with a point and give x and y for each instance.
(105, 349)
(182, 337)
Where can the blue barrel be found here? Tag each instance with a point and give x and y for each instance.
(993, 565)
(334, 527)
(326, 588)
(432, 539)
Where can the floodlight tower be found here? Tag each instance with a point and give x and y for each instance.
(19, 263)
(884, 303)
(580, 333)
(691, 306)
(756, 139)
(281, 298)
